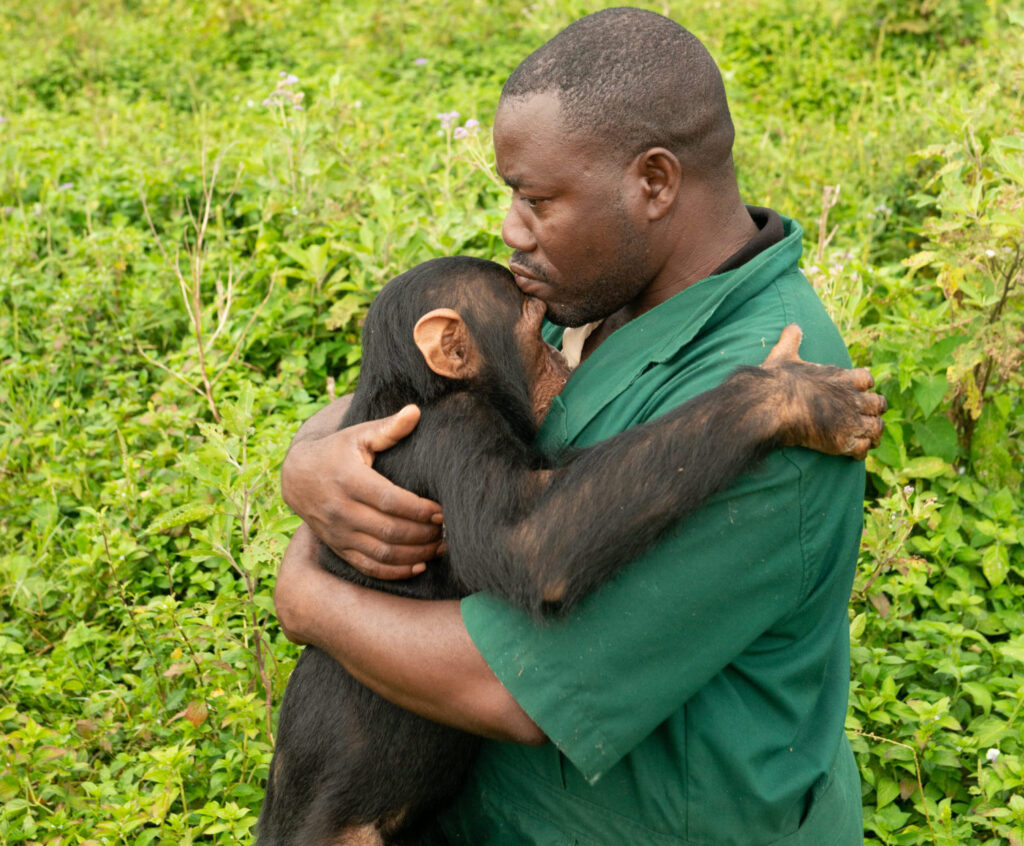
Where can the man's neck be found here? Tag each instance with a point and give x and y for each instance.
(697, 260)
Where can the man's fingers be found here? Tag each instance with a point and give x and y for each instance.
(386, 572)
(386, 528)
(379, 435)
(379, 552)
(381, 495)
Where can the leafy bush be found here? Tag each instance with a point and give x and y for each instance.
(199, 199)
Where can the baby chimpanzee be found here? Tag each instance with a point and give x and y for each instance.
(456, 337)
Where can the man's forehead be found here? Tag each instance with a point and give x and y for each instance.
(531, 144)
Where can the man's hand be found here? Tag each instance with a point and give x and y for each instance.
(379, 528)
(299, 587)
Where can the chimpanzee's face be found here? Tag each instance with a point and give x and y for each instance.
(546, 370)
(576, 222)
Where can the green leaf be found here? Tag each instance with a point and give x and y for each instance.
(995, 564)
(191, 513)
(938, 438)
(885, 792)
(926, 467)
(929, 391)
(1013, 649)
(920, 259)
(980, 694)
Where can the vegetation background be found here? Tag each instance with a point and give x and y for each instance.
(198, 198)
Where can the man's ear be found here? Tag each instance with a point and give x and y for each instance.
(446, 344)
(661, 176)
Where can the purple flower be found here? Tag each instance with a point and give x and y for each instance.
(65, 186)
(289, 79)
(3, 119)
(420, 61)
(460, 132)
(472, 123)
(447, 119)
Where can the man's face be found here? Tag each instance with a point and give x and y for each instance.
(574, 224)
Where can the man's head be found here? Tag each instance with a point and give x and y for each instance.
(600, 133)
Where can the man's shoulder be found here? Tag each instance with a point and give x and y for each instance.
(742, 336)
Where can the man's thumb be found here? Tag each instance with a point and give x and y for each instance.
(385, 433)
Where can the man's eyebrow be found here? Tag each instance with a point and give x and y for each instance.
(512, 182)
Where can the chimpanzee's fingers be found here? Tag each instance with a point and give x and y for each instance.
(857, 448)
(862, 379)
(787, 347)
(874, 426)
(873, 404)
(870, 434)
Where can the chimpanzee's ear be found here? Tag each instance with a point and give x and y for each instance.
(446, 343)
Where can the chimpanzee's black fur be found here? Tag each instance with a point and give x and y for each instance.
(346, 756)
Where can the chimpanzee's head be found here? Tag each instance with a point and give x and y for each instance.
(459, 323)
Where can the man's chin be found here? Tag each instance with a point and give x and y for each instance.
(568, 318)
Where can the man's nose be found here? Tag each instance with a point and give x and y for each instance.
(515, 232)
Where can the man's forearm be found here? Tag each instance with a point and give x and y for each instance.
(415, 653)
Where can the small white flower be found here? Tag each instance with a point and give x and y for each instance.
(990, 253)
(992, 755)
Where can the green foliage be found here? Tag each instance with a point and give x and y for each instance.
(191, 237)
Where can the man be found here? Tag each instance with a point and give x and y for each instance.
(700, 697)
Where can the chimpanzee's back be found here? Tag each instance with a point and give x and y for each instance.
(346, 756)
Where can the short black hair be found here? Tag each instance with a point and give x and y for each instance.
(631, 80)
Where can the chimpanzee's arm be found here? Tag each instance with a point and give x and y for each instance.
(543, 539)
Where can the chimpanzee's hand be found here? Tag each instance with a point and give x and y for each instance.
(379, 528)
(822, 407)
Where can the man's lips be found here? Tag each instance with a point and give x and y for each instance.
(526, 282)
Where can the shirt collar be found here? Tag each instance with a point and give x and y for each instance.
(661, 333)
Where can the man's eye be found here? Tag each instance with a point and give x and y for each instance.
(532, 202)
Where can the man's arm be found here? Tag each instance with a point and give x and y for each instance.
(415, 653)
(328, 480)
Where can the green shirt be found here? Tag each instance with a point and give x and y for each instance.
(699, 697)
